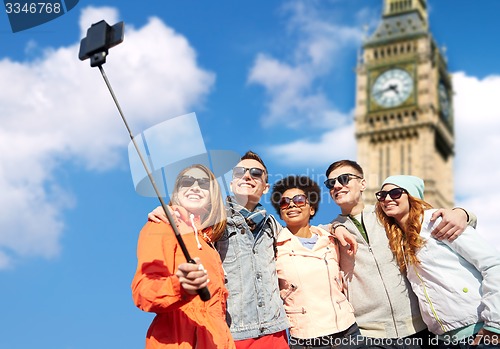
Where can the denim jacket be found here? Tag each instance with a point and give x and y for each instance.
(254, 306)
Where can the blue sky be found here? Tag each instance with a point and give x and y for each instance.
(276, 77)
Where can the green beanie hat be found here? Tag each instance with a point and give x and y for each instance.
(413, 185)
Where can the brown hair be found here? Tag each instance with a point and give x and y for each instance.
(216, 216)
(250, 155)
(342, 163)
(405, 243)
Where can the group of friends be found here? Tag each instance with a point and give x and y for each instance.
(398, 274)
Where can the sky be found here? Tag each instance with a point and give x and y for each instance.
(277, 77)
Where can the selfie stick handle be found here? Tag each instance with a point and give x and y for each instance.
(204, 293)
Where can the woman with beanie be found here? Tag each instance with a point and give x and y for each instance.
(457, 283)
(307, 265)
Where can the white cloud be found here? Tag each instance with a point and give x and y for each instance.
(57, 109)
(477, 169)
(294, 96)
(336, 144)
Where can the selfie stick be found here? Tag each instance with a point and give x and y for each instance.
(101, 37)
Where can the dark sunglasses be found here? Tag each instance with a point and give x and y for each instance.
(239, 172)
(393, 193)
(343, 180)
(188, 181)
(299, 200)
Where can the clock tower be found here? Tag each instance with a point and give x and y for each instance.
(404, 114)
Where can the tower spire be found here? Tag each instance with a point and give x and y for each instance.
(398, 7)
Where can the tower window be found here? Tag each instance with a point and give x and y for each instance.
(402, 159)
(387, 161)
(380, 164)
(409, 158)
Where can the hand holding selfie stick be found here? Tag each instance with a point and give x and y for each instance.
(100, 38)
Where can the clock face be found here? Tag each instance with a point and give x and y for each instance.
(392, 88)
(444, 100)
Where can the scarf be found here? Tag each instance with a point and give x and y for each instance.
(255, 218)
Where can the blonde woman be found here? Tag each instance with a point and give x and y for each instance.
(457, 283)
(166, 285)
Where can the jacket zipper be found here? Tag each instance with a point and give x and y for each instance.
(386, 292)
(330, 284)
(293, 288)
(436, 317)
(301, 311)
(378, 269)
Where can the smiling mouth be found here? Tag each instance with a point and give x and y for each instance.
(340, 193)
(246, 185)
(193, 197)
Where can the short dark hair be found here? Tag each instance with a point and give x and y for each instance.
(304, 183)
(342, 163)
(250, 155)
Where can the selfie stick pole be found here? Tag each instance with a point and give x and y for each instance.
(97, 59)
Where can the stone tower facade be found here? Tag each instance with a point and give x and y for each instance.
(404, 110)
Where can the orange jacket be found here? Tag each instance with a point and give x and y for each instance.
(182, 320)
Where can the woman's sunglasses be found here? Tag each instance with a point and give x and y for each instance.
(343, 180)
(239, 172)
(299, 200)
(393, 193)
(188, 182)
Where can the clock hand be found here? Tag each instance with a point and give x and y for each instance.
(383, 91)
(394, 88)
(389, 88)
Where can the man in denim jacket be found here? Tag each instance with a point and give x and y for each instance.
(255, 312)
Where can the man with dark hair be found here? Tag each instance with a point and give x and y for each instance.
(255, 312)
(386, 309)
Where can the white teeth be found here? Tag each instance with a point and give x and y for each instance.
(340, 193)
(193, 197)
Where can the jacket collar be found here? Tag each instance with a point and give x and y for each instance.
(323, 236)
